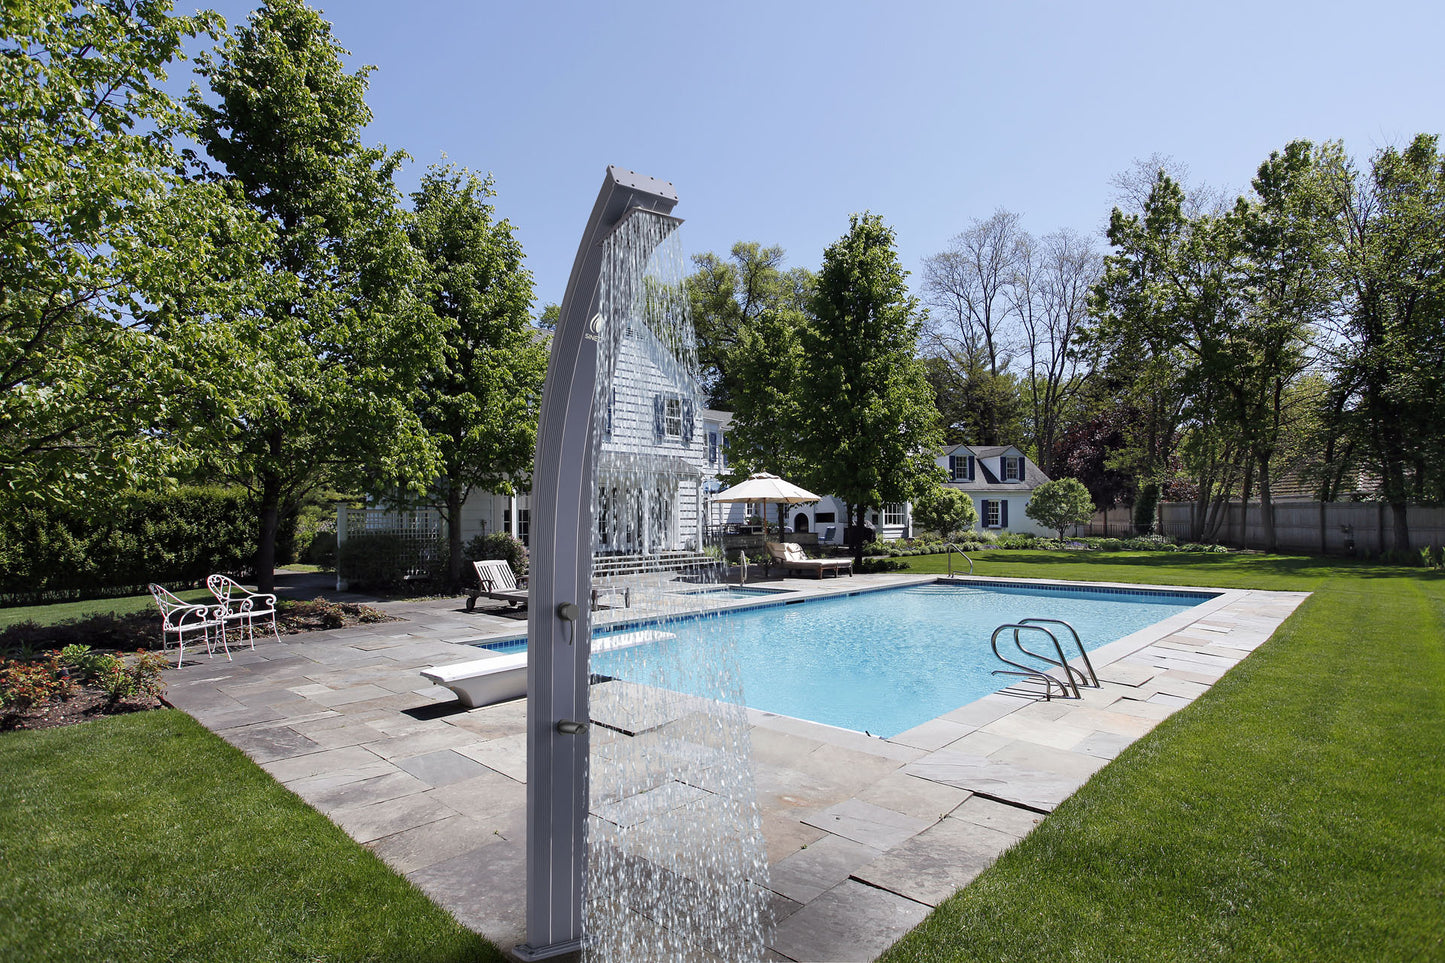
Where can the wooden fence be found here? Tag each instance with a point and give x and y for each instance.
(1318, 528)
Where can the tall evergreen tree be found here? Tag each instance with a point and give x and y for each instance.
(870, 429)
(341, 340)
(480, 403)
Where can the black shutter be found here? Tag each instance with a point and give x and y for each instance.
(1003, 512)
(659, 405)
(687, 415)
(970, 468)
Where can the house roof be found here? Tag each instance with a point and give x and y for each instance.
(986, 479)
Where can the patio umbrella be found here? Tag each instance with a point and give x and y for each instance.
(766, 489)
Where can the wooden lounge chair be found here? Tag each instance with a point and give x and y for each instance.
(495, 581)
(790, 556)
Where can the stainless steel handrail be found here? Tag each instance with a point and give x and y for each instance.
(1028, 671)
(954, 548)
(1078, 642)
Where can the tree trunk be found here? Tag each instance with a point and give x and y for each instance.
(266, 539)
(1399, 512)
(454, 535)
(1266, 506)
(862, 511)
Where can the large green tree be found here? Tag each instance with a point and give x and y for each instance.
(328, 362)
(480, 403)
(1389, 366)
(869, 426)
(726, 295)
(765, 367)
(99, 237)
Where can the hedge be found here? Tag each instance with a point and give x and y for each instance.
(177, 537)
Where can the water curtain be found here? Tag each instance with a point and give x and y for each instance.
(643, 837)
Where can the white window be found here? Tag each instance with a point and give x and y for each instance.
(1013, 469)
(992, 514)
(524, 523)
(893, 515)
(960, 467)
(672, 417)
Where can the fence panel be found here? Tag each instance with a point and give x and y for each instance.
(1329, 528)
(418, 532)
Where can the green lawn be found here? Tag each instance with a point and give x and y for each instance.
(145, 837)
(57, 612)
(1294, 812)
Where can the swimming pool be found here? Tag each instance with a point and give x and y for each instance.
(886, 661)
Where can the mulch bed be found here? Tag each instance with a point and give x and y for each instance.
(86, 704)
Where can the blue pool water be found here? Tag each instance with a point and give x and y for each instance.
(886, 661)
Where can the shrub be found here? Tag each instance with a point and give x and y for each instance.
(1108, 544)
(83, 663)
(946, 511)
(1149, 543)
(1144, 509)
(498, 545)
(384, 560)
(875, 564)
(1020, 540)
(1060, 504)
(321, 550)
(122, 679)
(28, 685)
(174, 537)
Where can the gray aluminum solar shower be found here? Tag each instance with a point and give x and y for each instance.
(559, 624)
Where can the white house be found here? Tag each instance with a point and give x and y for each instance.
(658, 457)
(1000, 479)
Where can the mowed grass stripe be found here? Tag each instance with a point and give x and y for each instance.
(1294, 812)
(145, 837)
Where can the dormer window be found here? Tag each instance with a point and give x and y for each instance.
(1013, 468)
(960, 468)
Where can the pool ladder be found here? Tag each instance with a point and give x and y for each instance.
(1073, 677)
(954, 548)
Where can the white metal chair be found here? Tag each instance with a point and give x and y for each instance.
(242, 607)
(183, 618)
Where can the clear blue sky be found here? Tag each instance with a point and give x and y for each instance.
(777, 120)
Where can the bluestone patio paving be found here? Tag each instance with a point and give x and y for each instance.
(864, 835)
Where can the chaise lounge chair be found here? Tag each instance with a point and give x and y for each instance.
(790, 556)
(495, 581)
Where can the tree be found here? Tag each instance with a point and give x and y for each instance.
(1060, 504)
(869, 428)
(1389, 365)
(975, 406)
(479, 404)
(944, 510)
(1050, 295)
(1086, 451)
(765, 367)
(98, 237)
(726, 294)
(967, 285)
(331, 357)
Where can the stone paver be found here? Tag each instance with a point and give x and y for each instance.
(863, 834)
(849, 922)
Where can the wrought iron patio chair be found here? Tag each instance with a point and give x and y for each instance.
(181, 618)
(243, 608)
